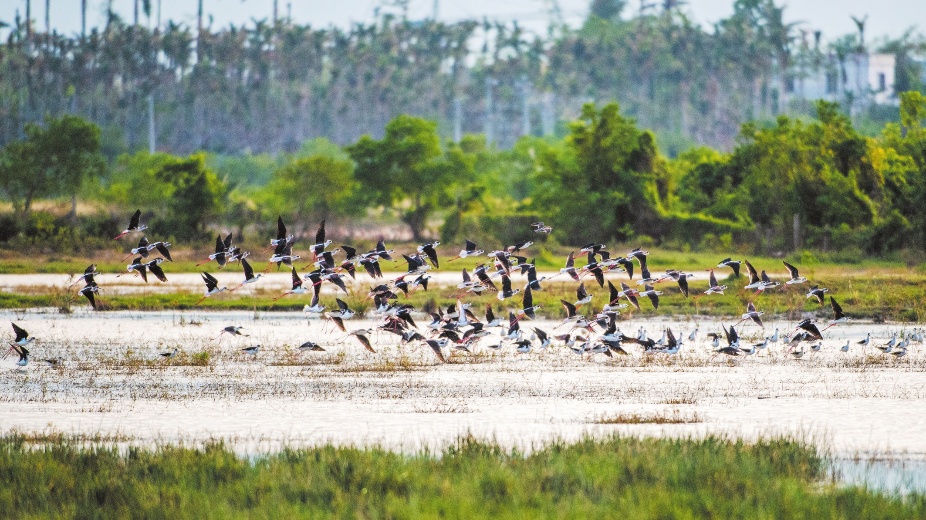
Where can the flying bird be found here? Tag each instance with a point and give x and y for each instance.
(134, 225)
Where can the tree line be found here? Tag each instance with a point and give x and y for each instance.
(788, 184)
(269, 85)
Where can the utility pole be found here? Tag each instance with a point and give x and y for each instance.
(29, 20)
(436, 10)
(152, 146)
(47, 17)
(797, 231)
(275, 12)
(457, 119)
(490, 111)
(547, 114)
(199, 33)
(83, 19)
(525, 106)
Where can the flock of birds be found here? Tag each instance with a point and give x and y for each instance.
(458, 328)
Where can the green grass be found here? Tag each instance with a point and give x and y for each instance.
(185, 260)
(615, 477)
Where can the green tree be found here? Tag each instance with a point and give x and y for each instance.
(51, 161)
(906, 152)
(607, 9)
(183, 193)
(605, 182)
(194, 194)
(314, 188)
(820, 171)
(408, 168)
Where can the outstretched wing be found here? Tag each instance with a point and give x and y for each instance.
(528, 300)
(614, 293)
(570, 308)
(320, 234)
(89, 295)
(21, 334)
(581, 292)
(432, 255)
(837, 309)
(162, 248)
(281, 228)
(506, 284)
(133, 222)
(338, 281)
(248, 270)
(365, 342)
(435, 346)
(571, 260)
(157, 271)
(683, 283)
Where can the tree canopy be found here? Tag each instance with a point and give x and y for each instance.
(50, 161)
(409, 170)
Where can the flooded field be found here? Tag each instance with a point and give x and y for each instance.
(111, 382)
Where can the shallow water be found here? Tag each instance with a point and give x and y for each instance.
(892, 476)
(112, 382)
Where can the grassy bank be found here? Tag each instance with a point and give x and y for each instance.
(640, 478)
(546, 257)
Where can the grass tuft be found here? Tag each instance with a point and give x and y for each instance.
(660, 417)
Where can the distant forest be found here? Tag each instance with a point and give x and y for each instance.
(269, 86)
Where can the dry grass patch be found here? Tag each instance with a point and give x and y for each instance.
(659, 417)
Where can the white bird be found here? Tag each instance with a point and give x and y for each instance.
(248, 274)
(752, 314)
(792, 272)
(22, 338)
(774, 337)
(212, 287)
(314, 307)
(309, 346)
(234, 330)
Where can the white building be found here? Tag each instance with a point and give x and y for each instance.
(856, 81)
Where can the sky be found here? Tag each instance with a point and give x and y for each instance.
(885, 17)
